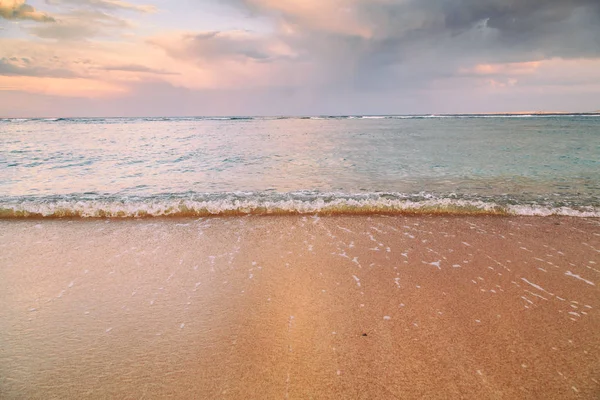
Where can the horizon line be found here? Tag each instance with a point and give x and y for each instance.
(499, 113)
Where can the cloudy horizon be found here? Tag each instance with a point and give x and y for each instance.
(297, 57)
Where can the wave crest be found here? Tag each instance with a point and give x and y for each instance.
(235, 204)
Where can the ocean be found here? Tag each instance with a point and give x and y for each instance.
(330, 257)
(202, 166)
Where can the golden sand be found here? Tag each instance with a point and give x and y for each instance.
(301, 307)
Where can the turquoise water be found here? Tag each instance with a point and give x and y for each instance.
(154, 166)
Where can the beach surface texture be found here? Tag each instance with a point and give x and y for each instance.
(305, 306)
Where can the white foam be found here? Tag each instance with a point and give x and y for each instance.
(434, 263)
(527, 300)
(265, 203)
(341, 203)
(538, 287)
(569, 273)
(540, 211)
(536, 295)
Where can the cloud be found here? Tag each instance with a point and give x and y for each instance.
(160, 98)
(17, 9)
(78, 20)
(342, 17)
(393, 45)
(107, 5)
(231, 45)
(61, 87)
(230, 59)
(23, 66)
(81, 25)
(81, 70)
(136, 68)
(391, 50)
(384, 32)
(314, 56)
(524, 68)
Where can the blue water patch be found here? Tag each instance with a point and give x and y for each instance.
(539, 159)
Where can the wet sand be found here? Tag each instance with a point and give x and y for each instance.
(301, 307)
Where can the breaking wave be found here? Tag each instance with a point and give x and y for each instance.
(267, 203)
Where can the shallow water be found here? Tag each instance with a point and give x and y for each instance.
(110, 166)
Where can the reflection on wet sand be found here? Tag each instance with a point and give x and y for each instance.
(301, 306)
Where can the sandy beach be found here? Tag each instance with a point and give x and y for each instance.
(386, 307)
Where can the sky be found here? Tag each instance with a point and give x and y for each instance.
(70, 58)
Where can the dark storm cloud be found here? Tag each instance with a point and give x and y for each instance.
(519, 17)
(549, 28)
(392, 45)
(476, 30)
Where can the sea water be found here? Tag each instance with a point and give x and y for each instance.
(139, 167)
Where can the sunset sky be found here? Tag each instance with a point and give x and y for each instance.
(297, 57)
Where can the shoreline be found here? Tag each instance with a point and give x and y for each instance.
(360, 306)
(260, 212)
